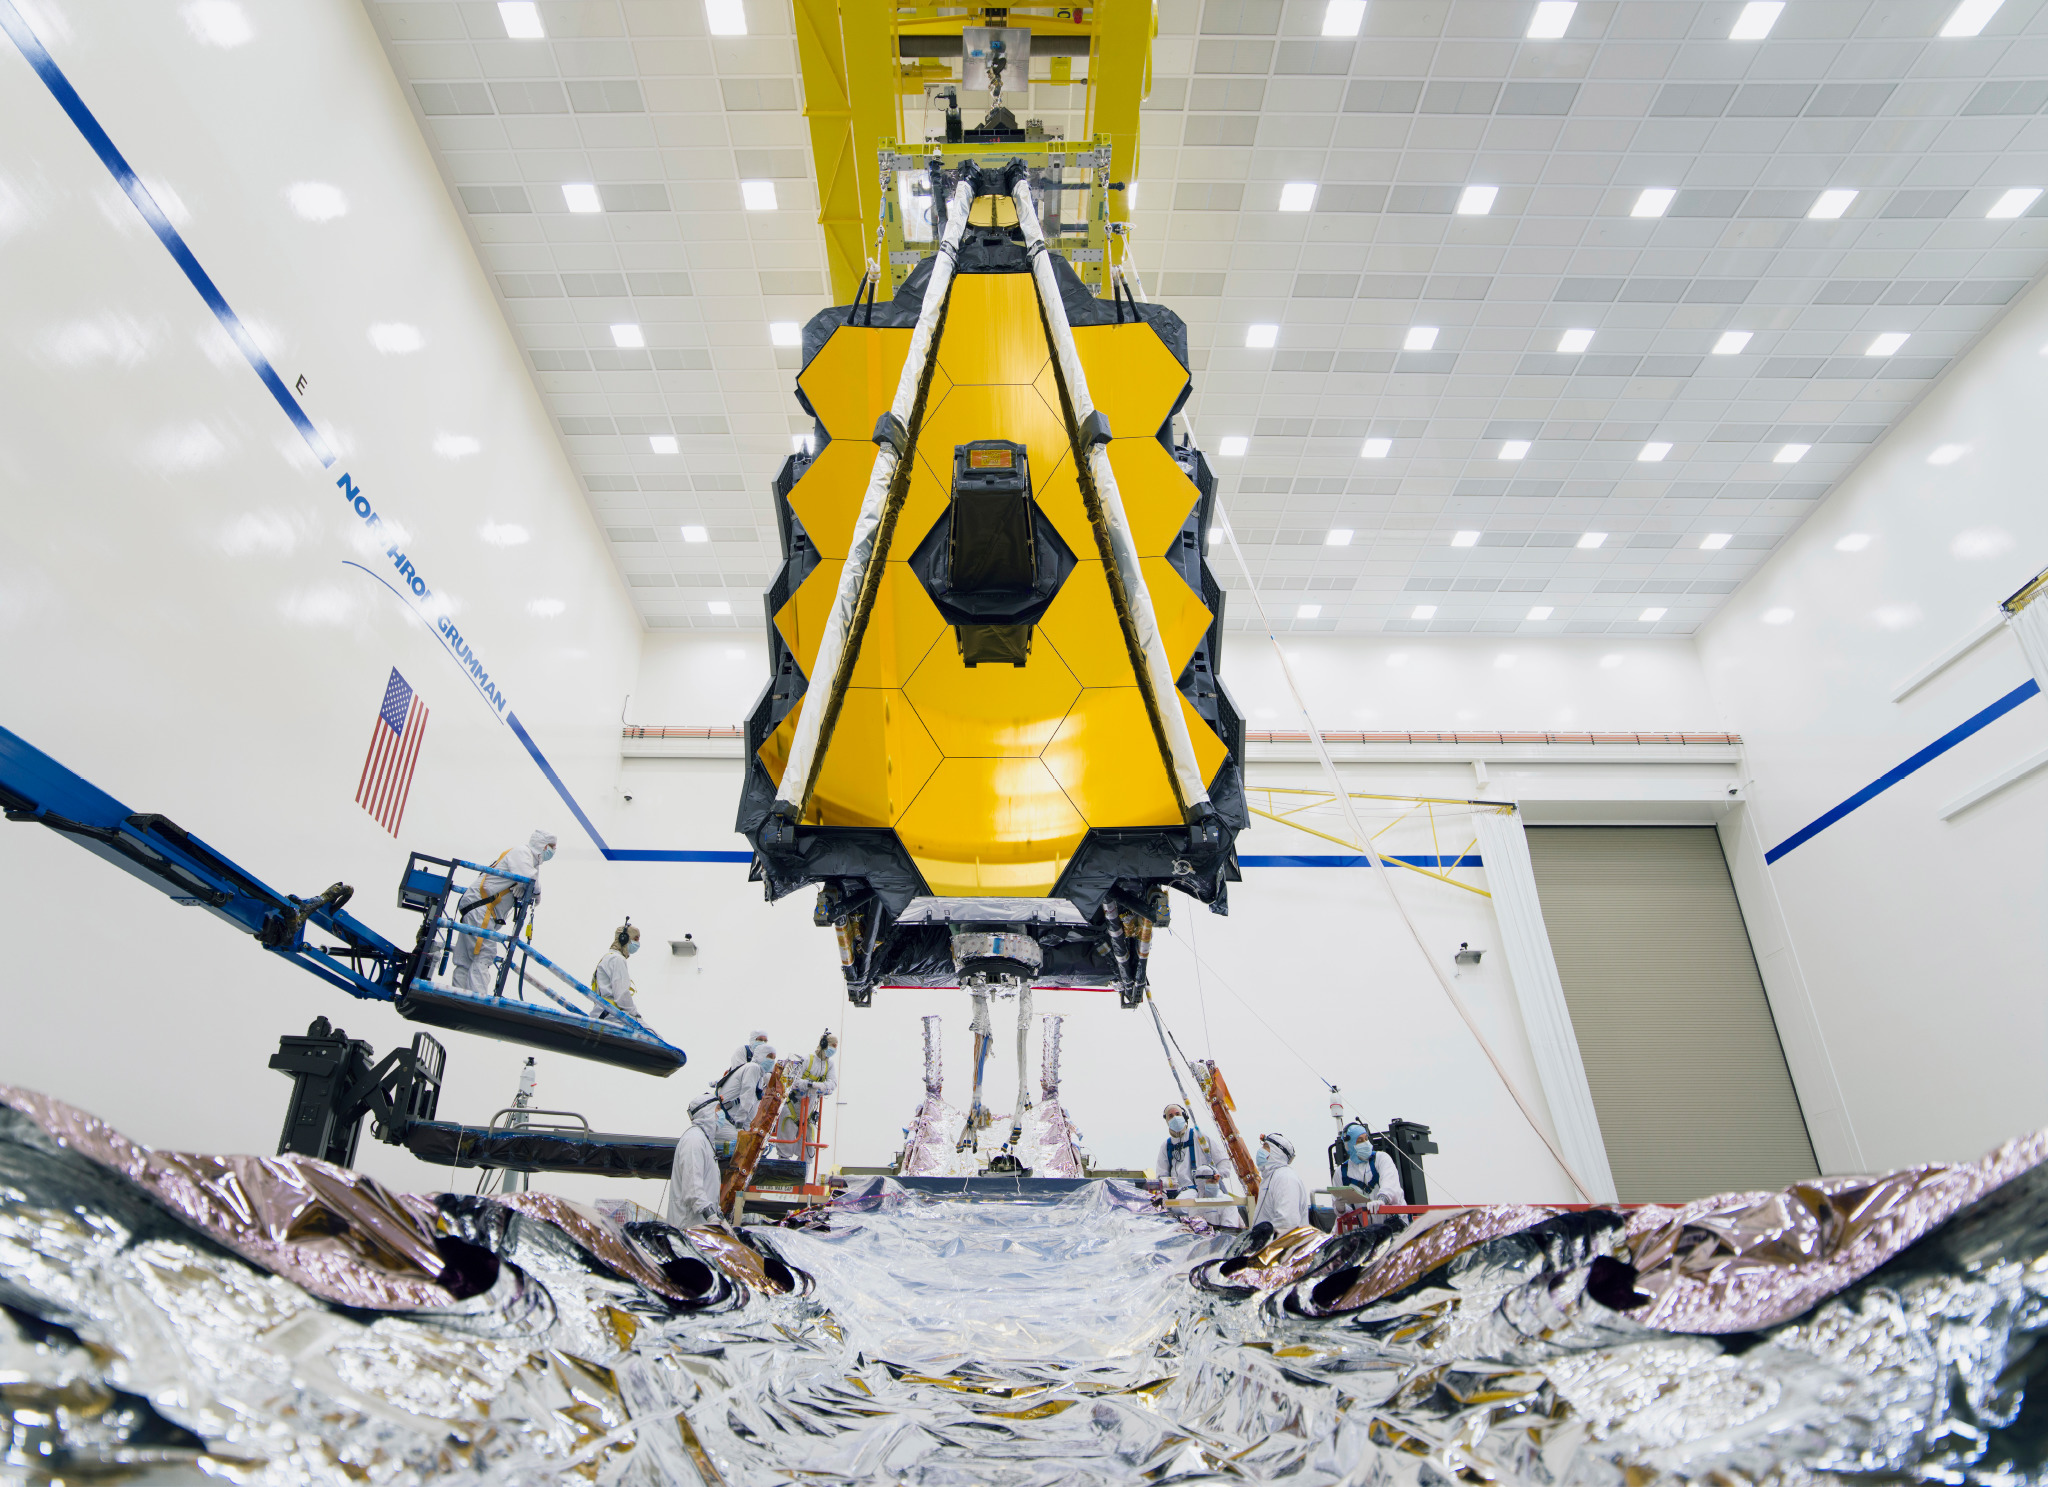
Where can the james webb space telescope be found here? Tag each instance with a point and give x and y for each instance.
(994, 734)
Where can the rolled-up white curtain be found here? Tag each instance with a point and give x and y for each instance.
(1539, 993)
(2029, 626)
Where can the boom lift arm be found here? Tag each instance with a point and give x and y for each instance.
(347, 953)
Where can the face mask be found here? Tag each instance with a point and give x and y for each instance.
(1206, 1189)
(547, 854)
(754, 1053)
(1265, 1157)
(632, 947)
(1177, 1124)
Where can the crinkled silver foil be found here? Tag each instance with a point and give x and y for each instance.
(1018, 1342)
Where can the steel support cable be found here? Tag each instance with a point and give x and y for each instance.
(1120, 562)
(1358, 835)
(868, 550)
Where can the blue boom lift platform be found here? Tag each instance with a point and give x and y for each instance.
(335, 1082)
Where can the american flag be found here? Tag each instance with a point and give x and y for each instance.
(394, 748)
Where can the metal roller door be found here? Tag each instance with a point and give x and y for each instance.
(1688, 1078)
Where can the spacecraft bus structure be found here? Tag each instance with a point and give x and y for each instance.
(994, 732)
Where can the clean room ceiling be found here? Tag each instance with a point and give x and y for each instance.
(1645, 435)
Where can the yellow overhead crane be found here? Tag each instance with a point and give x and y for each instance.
(994, 735)
(862, 59)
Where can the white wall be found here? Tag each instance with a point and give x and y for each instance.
(176, 620)
(1921, 940)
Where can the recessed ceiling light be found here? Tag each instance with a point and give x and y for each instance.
(1777, 616)
(1419, 338)
(1854, 542)
(395, 339)
(1423, 612)
(1215, 535)
(1464, 539)
(1731, 343)
(1948, 454)
(1970, 17)
(662, 443)
(1653, 202)
(1887, 343)
(1551, 19)
(759, 196)
(1308, 611)
(1651, 615)
(1376, 449)
(545, 609)
(1513, 449)
(1343, 17)
(1790, 454)
(456, 446)
(2014, 202)
(785, 333)
(1608, 663)
(521, 19)
(1338, 537)
(1541, 612)
(725, 17)
(1830, 204)
(1572, 342)
(1476, 201)
(718, 606)
(1653, 452)
(1715, 541)
(1756, 20)
(1590, 539)
(317, 201)
(1232, 447)
(218, 22)
(1297, 196)
(628, 336)
(695, 534)
(581, 196)
(1261, 337)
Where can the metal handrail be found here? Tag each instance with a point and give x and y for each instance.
(530, 1124)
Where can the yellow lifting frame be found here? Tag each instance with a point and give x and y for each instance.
(847, 53)
(853, 79)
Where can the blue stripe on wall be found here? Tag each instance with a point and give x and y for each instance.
(1470, 859)
(124, 176)
(1892, 776)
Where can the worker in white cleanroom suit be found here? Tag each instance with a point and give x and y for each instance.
(1354, 1164)
(739, 1089)
(817, 1077)
(1209, 1185)
(1283, 1196)
(611, 981)
(1184, 1149)
(488, 903)
(693, 1183)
